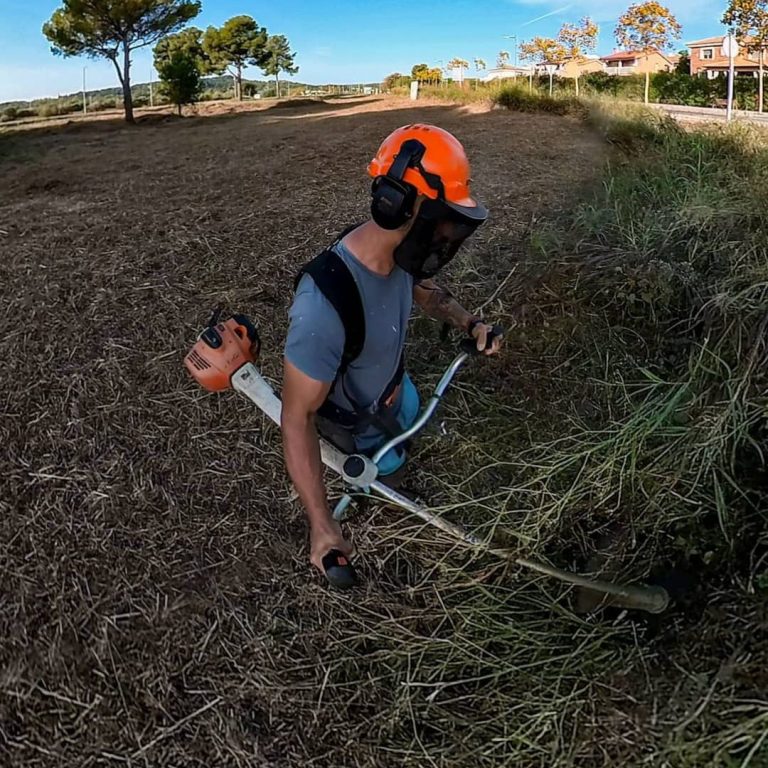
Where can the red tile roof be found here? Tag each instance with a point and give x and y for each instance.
(706, 41)
(631, 55)
(622, 56)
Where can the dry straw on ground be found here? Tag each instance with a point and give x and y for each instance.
(157, 607)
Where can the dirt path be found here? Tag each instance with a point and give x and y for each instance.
(156, 598)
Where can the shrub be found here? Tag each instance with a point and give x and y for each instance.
(665, 266)
(180, 76)
(521, 99)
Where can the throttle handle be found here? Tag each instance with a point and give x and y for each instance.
(338, 570)
(469, 346)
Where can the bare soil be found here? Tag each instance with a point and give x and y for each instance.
(157, 606)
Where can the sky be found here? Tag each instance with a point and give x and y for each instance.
(346, 41)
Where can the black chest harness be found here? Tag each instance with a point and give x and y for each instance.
(336, 282)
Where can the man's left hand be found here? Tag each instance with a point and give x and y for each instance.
(480, 334)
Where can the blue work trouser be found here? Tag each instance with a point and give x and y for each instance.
(408, 410)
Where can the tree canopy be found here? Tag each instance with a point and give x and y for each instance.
(238, 43)
(647, 27)
(279, 58)
(578, 39)
(111, 29)
(543, 50)
(461, 65)
(180, 78)
(188, 42)
(749, 19)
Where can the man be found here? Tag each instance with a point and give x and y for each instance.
(344, 371)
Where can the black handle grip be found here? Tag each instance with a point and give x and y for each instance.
(470, 345)
(338, 570)
(250, 328)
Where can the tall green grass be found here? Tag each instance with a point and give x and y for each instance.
(634, 422)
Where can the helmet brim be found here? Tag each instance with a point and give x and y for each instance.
(469, 209)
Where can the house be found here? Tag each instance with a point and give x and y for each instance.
(636, 63)
(579, 67)
(505, 72)
(707, 59)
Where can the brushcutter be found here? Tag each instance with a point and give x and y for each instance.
(225, 356)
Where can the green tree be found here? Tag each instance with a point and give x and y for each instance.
(420, 72)
(647, 27)
(112, 29)
(578, 40)
(180, 79)
(461, 65)
(750, 20)
(683, 66)
(239, 43)
(502, 59)
(279, 59)
(480, 66)
(188, 42)
(434, 75)
(543, 50)
(395, 80)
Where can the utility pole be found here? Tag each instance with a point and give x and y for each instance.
(512, 37)
(731, 51)
(443, 73)
(85, 101)
(151, 94)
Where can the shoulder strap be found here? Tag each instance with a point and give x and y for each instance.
(336, 283)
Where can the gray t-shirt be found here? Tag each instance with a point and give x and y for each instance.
(316, 335)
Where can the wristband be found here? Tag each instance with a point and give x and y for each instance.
(473, 323)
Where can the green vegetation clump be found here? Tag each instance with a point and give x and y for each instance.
(664, 271)
(521, 99)
(642, 368)
(665, 88)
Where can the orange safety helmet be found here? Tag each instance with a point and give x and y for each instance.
(443, 157)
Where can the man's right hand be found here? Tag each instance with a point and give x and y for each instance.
(323, 538)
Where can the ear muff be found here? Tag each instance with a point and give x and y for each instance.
(392, 202)
(392, 199)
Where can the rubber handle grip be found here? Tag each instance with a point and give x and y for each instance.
(338, 570)
(469, 346)
(245, 322)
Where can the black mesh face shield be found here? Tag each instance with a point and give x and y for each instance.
(436, 235)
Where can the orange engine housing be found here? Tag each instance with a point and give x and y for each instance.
(221, 350)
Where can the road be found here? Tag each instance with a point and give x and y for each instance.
(706, 114)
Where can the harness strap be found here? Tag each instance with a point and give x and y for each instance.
(336, 282)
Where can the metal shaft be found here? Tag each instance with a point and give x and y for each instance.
(426, 414)
(250, 383)
(644, 598)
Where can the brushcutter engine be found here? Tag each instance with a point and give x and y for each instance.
(221, 350)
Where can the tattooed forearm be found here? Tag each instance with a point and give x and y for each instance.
(438, 302)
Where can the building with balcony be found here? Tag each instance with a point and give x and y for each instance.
(637, 63)
(707, 59)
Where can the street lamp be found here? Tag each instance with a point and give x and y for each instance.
(512, 37)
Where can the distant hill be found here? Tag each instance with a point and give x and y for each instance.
(212, 86)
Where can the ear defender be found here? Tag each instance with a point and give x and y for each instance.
(392, 202)
(392, 198)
